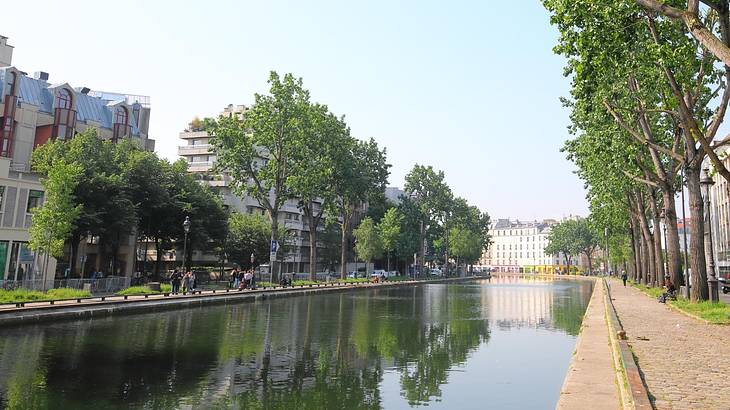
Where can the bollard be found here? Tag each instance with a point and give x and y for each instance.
(103, 298)
(213, 290)
(78, 300)
(146, 296)
(52, 302)
(125, 297)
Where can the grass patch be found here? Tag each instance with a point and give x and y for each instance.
(266, 284)
(717, 313)
(144, 290)
(25, 295)
(304, 282)
(398, 279)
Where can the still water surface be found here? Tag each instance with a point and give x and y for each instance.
(500, 344)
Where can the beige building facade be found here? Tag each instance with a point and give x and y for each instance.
(34, 111)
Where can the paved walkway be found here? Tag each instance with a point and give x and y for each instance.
(684, 361)
(591, 379)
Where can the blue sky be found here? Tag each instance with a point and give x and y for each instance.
(470, 87)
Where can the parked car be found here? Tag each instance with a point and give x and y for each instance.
(352, 274)
(436, 272)
(381, 272)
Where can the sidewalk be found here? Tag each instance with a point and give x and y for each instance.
(591, 379)
(684, 362)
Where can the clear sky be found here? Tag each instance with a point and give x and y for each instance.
(470, 87)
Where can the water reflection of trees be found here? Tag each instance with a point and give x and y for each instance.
(326, 351)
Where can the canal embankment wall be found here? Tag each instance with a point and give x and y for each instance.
(603, 373)
(44, 312)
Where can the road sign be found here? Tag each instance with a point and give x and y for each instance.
(274, 246)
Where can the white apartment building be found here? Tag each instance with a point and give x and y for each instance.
(519, 246)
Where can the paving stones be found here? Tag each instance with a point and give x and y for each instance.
(685, 363)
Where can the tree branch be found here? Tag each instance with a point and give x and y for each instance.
(620, 121)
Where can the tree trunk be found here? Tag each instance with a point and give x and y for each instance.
(635, 251)
(75, 241)
(699, 291)
(658, 251)
(674, 254)
(312, 220)
(346, 215)
(649, 244)
(158, 259)
(274, 217)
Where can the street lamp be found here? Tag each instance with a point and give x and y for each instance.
(186, 228)
(706, 183)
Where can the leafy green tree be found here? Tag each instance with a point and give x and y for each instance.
(54, 221)
(368, 240)
(247, 234)
(361, 173)
(433, 197)
(389, 229)
(318, 155)
(257, 150)
(465, 244)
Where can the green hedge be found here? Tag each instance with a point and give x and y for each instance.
(144, 290)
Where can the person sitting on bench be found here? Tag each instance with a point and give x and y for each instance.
(671, 292)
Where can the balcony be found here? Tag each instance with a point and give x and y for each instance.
(201, 149)
(202, 166)
(194, 134)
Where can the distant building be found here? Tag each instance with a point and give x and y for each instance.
(34, 111)
(519, 246)
(394, 194)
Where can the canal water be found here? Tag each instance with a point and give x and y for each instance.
(502, 344)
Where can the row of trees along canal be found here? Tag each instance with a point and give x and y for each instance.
(649, 92)
(285, 147)
(288, 147)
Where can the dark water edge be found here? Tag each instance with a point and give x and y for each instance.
(504, 344)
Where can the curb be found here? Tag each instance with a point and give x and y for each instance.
(52, 313)
(637, 393)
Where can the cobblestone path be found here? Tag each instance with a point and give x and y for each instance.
(685, 363)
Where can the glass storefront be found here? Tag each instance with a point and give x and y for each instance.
(3, 258)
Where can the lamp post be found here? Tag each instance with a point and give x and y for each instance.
(186, 228)
(684, 235)
(706, 183)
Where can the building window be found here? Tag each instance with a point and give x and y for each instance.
(63, 99)
(120, 116)
(2, 197)
(34, 199)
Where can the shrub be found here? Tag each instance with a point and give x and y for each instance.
(304, 282)
(25, 295)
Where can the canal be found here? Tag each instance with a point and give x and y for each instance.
(504, 343)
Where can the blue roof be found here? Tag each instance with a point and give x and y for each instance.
(88, 108)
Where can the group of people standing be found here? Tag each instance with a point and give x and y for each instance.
(242, 279)
(188, 281)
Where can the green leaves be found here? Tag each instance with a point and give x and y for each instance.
(368, 242)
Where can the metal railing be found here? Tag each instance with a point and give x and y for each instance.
(104, 285)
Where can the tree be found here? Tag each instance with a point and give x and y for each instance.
(465, 244)
(368, 243)
(389, 229)
(361, 172)
(317, 156)
(433, 197)
(54, 221)
(106, 212)
(247, 234)
(560, 241)
(257, 150)
(585, 240)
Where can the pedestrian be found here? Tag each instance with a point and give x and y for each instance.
(186, 282)
(624, 276)
(175, 281)
(247, 279)
(236, 278)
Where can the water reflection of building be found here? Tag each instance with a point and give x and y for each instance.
(512, 301)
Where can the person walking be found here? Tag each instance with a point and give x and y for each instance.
(624, 276)
(186, 282)
(175, 281)
(236, 278)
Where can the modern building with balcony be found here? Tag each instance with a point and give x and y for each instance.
(34, 111)
(199, 155)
